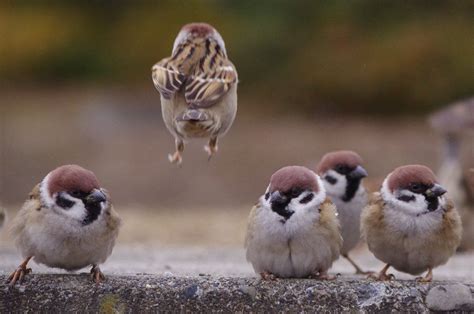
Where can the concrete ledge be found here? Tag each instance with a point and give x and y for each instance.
(150, 293)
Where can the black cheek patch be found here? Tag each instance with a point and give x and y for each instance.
(433, 203)
(267, 195)
(351, 189)
(308, 198)
(93, 212)
(64, 202)
(330, 179)
(406, 198)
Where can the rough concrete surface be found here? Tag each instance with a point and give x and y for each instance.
(145, 279)
(150, 293)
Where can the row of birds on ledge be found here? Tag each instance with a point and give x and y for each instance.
(301, 224)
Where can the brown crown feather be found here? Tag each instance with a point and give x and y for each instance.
(293, 177)
(72, 178)
(199, 29)
(402, 176)
(343, 157)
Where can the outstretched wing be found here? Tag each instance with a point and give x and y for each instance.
(211, 79)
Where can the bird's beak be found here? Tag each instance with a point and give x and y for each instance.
(436, 191)
(95, 197)
(358, 173)
(279, 204)
(278, 199)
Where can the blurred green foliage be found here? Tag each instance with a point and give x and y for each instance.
(339, 56)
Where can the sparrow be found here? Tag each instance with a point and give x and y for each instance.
(67, 222)
(342, 174)
(293, 230)
(410, 224)
(198, 88)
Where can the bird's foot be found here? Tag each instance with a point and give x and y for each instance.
(428, 278)
(423, 279)
(211, 147)
(268, 276)
(97, 275)
(210, 150)
(323, 276)
(381, 276)
(175, 158)
(18, 275)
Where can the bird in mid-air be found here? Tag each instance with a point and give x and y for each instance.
(198, 88)
(410, 224)
(293, 230)
(66, 222)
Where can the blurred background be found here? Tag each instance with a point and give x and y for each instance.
(315, 76)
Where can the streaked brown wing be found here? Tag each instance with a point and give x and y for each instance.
(167, 77)
(212, 78)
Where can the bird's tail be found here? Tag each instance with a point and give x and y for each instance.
(193, 115)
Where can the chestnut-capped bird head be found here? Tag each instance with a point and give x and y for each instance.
(342, 173)
(414, 190)
(293, 190)
(197, 31)
(73, 192)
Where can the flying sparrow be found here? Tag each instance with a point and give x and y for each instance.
(198, 87)
(67, 222)
(293, 230)
(410, 225)
(342, 173)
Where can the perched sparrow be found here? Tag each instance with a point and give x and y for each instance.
(198, 87)
(67, 222)
(342, 173)
(293, 230)
(410, 225)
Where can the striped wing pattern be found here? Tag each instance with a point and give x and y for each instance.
(167, 77)
(200, 68)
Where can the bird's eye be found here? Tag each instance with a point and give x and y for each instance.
(76, 193)
(342, 169)
(416, 187)
(330, 179)
(295, 193)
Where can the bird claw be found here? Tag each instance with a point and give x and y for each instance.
(96, 275)
(324, 276)
(268, 276)
(18, 275)
(381, 276)
(175, 158)
(210, 150)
